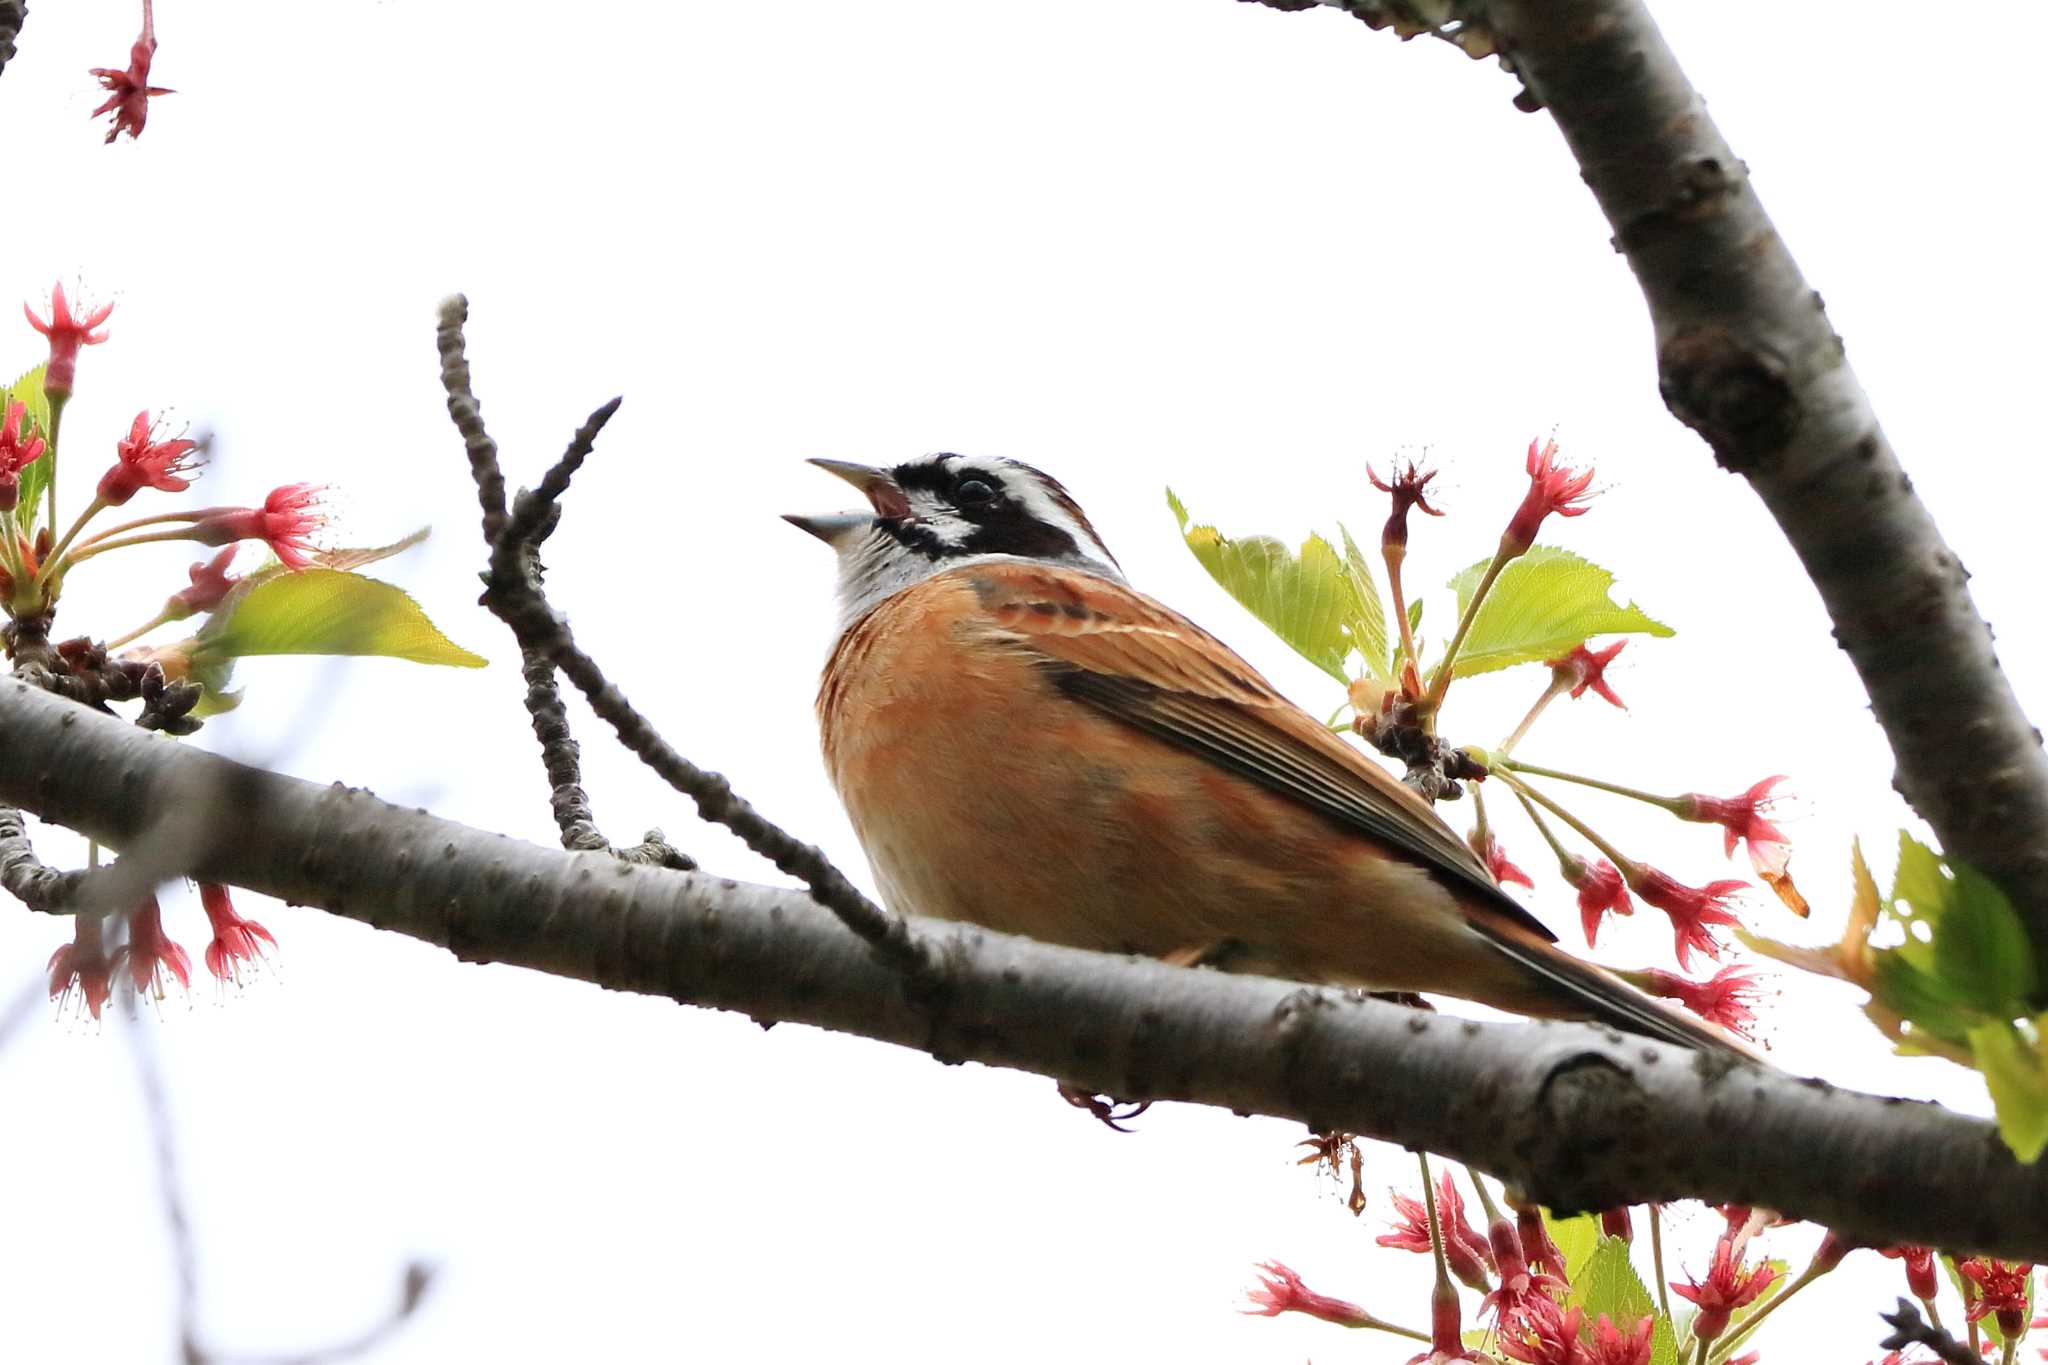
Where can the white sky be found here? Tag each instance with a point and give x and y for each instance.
(1138, 242)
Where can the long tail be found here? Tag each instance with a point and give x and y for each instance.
(1601, 996)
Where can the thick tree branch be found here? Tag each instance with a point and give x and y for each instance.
(1747, 359)
(1579, 1118)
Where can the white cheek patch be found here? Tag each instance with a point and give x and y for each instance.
(941, 521)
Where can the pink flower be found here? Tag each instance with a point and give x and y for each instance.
(1465, 1250)
(1496, 860)
(1446, 1340)
(1728, 1286)
(1601, 891)
(1280, 1290)
(235, 940)
(1537, 1331)
(1614, 1346)
(66, 333)
(211, 582)
(142, 462)
(1406, 492)
(1585, 669)
(1919, 1269)
(128, 91)
(82, 965)
(1537, 1248)
(1518, 1284)
(1615, 1223)
(1727, 998)
(149, 956)
(287, 517)
(16, 454)
(1552, 488)
(2001, 1290)
(1743, 819)
(1693, 910)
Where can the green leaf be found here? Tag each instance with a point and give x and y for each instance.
(325, 611)
(1576, 1239)
(1962, 932)
(1369, 616)
(1609, 1284)
(1919, 996)
(28, 391)
(2016, 1073)
(1309, 601)
(1542, 605)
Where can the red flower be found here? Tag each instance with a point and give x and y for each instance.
(1693, 910)
(210, 583)
(66, 333)
(1280, 1290)
(1537, 1248)
(144, 462)
(16, 454)
(234, 938)
(283, 522)
(1743, 818)
(1601, 891)
(149, 956)
(82, 965)
(1538, 1331)
(1552, 488)
(1496, 859)
(1614, 1346)
(1728, 1287)
(1727, 998)
(1586, 669)
(2001, 1290)
(1406, 492)
(1466, 1251)
(128, 91)
(1518, 1284)
(1615, 1223)
(1919, 1269)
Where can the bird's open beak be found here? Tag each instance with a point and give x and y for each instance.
(876, 485)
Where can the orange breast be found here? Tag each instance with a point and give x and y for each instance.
(981, 792)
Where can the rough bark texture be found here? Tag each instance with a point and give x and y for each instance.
(1578, 1117)
(1747, 359)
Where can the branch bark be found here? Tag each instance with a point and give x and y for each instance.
(1577, 1117)
(1746, 358)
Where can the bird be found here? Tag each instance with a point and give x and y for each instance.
(1024, 741)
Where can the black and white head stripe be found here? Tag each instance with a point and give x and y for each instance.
(963, 505)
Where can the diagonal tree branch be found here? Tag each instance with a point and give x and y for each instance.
(1577, 1117)
(1746, 358)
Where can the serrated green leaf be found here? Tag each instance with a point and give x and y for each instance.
(1920, 997)
(326, 611)
(1369, 616)
(1663, 1342)
(28, 391)
(1962, 932)
(1542, 605)
(1609, 1284)
(2016, 1073)
(1576, 1239)
(1306, 600)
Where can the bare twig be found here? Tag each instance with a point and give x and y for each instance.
(512, 597)
(13, 13)
(31, 881)
(1576, 1117)
(1909, 1330)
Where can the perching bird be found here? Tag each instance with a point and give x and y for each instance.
(1024, 741)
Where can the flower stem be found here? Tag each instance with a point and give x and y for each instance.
(145, 628)
(1558, 687)
(1657, 1261)
(190, 514)
(1613, 855)
(56, 556)
(1440, 680)
(1436, 1231)
(1542, 826)
(1393, 555)
(1664, 802)
(57, 402)
(85, 552)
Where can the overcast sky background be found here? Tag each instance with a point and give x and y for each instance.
(1135, 241)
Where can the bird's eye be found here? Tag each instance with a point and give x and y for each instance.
(972, 492)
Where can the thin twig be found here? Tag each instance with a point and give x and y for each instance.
(511, 596)
(28, 878)
(1909, 1330)
(12, 14)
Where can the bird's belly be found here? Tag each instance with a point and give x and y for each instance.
(1001, 801)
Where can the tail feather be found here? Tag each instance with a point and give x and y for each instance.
(1601, 996)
